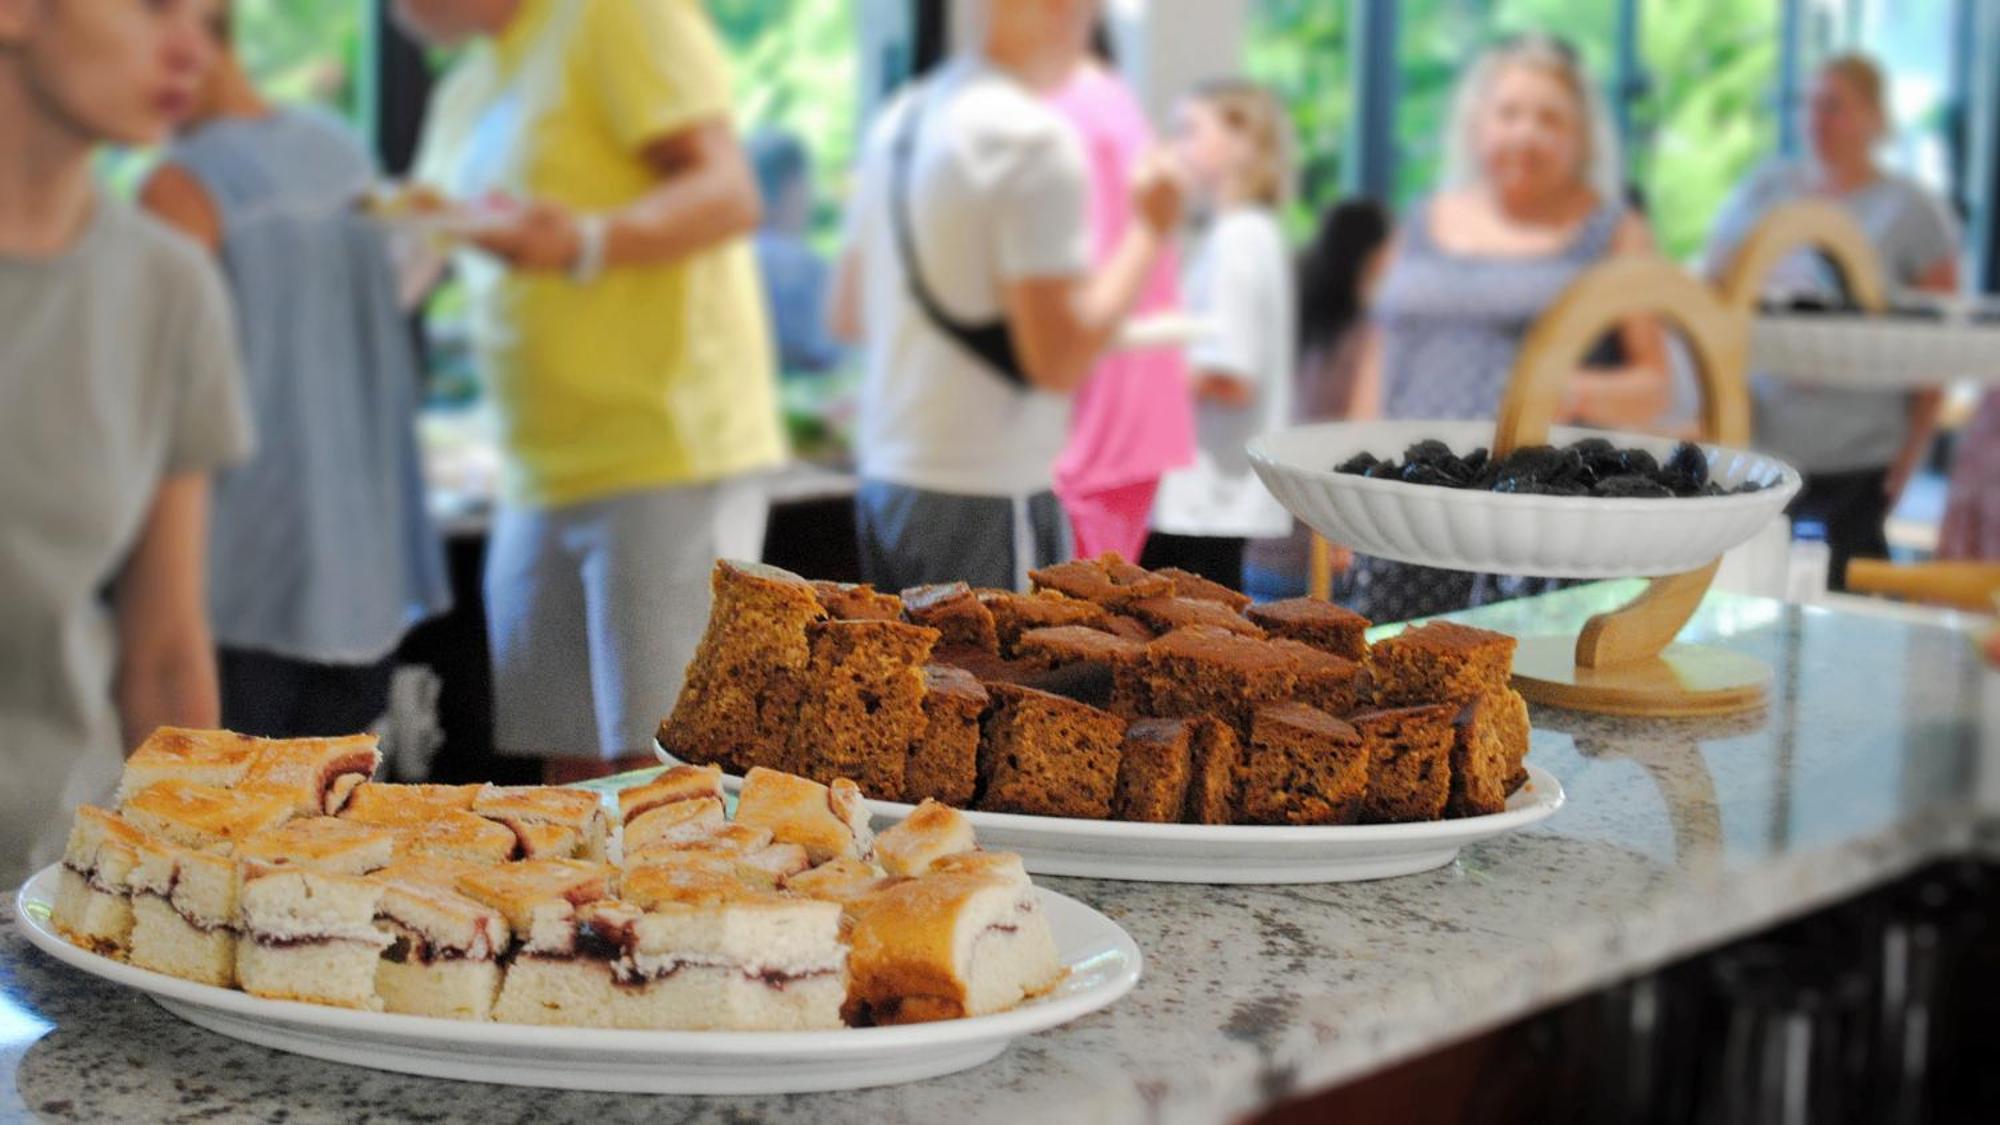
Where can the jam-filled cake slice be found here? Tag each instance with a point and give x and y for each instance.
(184, 919)
(205, 757)
(309, 935)
(927, 835)
(533, 811)
(947, 946)
(381, 802)
(205, 816)
(318, 774)
(93, 906)
(828, 821)
(685, 948)
(324, 843)
(443, 958)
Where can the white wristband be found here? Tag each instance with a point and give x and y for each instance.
(589, 264)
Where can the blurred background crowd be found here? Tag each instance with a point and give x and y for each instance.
(408, 365)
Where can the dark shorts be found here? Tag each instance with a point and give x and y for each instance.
(1853, 508)
(273, 696)
(911, 537)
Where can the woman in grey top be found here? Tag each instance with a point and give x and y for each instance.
(1532, 198)
(1857, 448)
(119, 394)
(322, 553)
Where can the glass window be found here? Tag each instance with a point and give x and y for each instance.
(1299, 49)
(305, 50)
(795, 71)
(1709, 113)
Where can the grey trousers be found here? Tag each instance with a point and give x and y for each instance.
(911, 537)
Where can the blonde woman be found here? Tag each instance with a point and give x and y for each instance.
(1532, 197)
(1234, 142)
(1857, 448)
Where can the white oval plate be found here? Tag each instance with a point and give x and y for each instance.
(1500, 533)
(1240, 854)
(1103, 963)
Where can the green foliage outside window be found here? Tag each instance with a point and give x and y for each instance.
(1299, 49)
(1711, 115)
(305, 50)
(795, 70)
(1707, 116)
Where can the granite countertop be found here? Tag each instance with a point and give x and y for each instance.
(1678, 835)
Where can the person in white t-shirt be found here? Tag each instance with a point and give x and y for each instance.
(966, 278)
(1233, 139)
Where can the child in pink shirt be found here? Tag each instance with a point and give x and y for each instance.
(1134, 419)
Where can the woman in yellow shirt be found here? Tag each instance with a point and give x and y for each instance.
(618, 321)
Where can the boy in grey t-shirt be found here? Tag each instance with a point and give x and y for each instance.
(119, 392)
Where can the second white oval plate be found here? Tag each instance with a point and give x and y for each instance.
(1245, 854)
(1102, 959)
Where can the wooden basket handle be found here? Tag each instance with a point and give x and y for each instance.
(1596, 302)
(1808, 224)
(1718, 339)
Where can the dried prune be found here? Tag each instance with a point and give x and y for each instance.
(1428, 452)
(1630, 486)
(1532, 462)
(1637, 462)
(1688, 465)
(1418, 472)
(1569, 469)
(1587, 467)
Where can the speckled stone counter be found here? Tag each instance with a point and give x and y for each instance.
(1677, 836)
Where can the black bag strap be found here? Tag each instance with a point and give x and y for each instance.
(989, 342)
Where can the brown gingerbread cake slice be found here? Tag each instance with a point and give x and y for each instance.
(1048, 755)
(1165, 614)
(943, 764)
(1154, 770)
(1131, 628)
(1188, 584)
(1095, 580)
(1314, 621)
(1202, 670)
(1214, 755)
(1301, 766)
(863, 703)
(851, 601)
(741, 695)
(1334, 684)
(1482, 766)
(1060, 645)
(1511, 725)
(1015, 614)
(1439, 662)
(1409, 761)
(955, 611)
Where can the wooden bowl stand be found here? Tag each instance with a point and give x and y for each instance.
(1625, 662)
